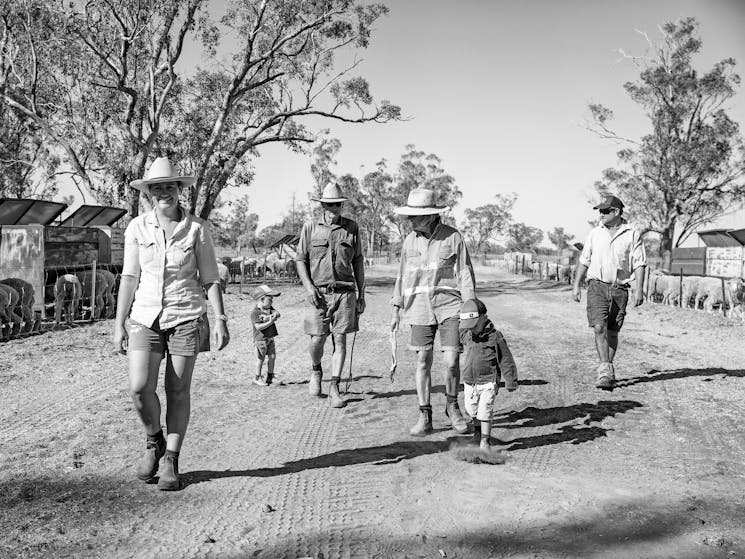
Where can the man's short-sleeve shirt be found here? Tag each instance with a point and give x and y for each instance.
(330, 251)
(613, 257)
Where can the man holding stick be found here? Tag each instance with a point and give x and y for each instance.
(330, 264)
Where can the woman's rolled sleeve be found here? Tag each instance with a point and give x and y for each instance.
(131, 264)
(205, 253)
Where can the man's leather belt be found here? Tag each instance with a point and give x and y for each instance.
(329, 289)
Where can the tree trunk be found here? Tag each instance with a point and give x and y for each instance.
(666, 246)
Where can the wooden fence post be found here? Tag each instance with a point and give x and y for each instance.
(93, 290)
(680, 289)
(724, 298)
(647, 275)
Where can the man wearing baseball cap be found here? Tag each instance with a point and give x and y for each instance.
(612, 258)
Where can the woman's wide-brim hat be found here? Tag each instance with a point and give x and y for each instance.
(421, 201)
(161, 170)
(331, 194)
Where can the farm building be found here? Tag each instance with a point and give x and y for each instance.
(36, 251)
(723, 255)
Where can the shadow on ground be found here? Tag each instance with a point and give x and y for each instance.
(379, 455)
(519, 285)
(572, 434)
(655, 375)
(623, 529)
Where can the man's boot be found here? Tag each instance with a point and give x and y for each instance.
(453, 412)
(314, 386)
(334, 397)
(424, 425)
(169, 478)
(156, 448)
(606, 376)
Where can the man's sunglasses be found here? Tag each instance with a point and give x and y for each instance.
(607, 210)
(332, 204)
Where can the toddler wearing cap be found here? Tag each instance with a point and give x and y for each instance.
(263, 318)
(486, 358)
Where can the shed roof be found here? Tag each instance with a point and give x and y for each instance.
(24, 211)
(719, 238)
(89, 216)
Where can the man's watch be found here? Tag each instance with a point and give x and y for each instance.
(222, 317)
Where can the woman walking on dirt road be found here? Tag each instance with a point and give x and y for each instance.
(168, 259)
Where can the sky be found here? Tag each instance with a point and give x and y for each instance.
(499, 91)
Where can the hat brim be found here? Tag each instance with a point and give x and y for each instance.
(144, 184)
(330, 200)
(258, 296)
(606, 207)
(409, 210)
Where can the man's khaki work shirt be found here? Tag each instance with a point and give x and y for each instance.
(171, 270)
(330, 251)
(434, 278)
(613, 257)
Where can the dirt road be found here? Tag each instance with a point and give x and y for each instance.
(653, 469)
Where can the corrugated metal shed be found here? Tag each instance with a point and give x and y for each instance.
(21, 211)
(718, 238)
(92, 216)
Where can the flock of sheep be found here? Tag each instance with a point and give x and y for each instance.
(698, 292)
(69, 290)
(17, 298)
(250, 267)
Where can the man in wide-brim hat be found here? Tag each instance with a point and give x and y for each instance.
(330, 263)
(435, 277)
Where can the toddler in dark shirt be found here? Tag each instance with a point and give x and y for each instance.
(263, 318)
(486, 358)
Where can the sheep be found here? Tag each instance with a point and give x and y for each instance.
(25, 308)
(108, 293)
(535, 269)
(710, 292)
(565, 274)
(67, 293)
(690, 286)
(222, 272)
(8, 301)
(103, 288)
(552, 271)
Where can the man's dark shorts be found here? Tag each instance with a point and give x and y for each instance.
(423, 336)
(606, 304)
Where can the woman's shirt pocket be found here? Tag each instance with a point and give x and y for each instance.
(148, 252)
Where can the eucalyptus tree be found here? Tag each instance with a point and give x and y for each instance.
(690, 167)
(108, 83)
(486, 222)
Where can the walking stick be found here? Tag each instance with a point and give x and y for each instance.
(351, 357)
